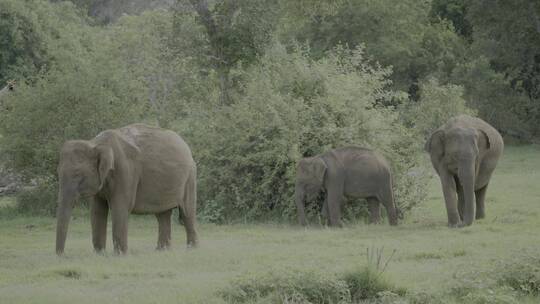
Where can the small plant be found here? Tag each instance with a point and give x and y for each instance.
(522, 276)
(300, 287)
(364, 283)
(368, 282)
(374, 257)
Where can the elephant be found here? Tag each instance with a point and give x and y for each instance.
(134, 169)
(349, 171)
(464, 153)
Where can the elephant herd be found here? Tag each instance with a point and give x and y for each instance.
(144, 169)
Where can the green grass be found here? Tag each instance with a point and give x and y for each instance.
(430, 258)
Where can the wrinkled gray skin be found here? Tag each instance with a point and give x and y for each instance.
(134, 169)
(350, 171)
(464, 152)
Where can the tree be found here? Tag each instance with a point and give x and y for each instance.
(454, 11)
(292, 107)
(237, 31)
(398, 34)
(505, 55)
(22, 47)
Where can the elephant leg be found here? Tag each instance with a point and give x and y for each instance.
(374, 208)
(480, 198)
(325, 212)
(99, 211)
(164, 236)
(449, 191)
(334, 197)
(387, 199)
(119, 228)
(461, 198)
(189, 210)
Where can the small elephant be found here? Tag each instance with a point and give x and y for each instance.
(134, 169)
(464, 152)
(350, 171)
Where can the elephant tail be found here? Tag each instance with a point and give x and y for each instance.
(190, 195)
(387, 196)
(180, 215)
(189, 207)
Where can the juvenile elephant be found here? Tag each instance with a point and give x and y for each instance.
(350, 171)
(464, 152)
(134, 169)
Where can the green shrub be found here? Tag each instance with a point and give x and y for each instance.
(492, 94)
(508, 283)
(83, 91)
(40, 200)
(300, 287)
(437, 104)
(311, 287)
(367, 283)
(292, 107)
(522, 275)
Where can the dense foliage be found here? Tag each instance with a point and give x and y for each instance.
(292, 107)
(255, 85)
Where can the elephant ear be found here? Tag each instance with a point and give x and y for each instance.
(113, 148)
(318, 168)
(483, 134)
(105, 156)
(435, 144)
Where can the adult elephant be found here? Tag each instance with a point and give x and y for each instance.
(134, 169)
(464, 152)
(350, 171)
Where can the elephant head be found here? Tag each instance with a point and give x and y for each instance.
(82, 172)
(309, 181)
(458, 150)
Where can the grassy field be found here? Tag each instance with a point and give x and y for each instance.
(429, 258)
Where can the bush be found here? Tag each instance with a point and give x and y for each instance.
(40, 200)
(437, 104)
(83, 91)
(292, 107)
(491, 94)
(311, 287)
(367, 283)
(522, 276)
(301, 287)
(508, 283)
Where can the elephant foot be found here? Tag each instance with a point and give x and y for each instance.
(336, 225)
(120, 251)
(455, 225)
(480, 216)
(99, 251)
(163, 247)
(464, 224)
(374, 221)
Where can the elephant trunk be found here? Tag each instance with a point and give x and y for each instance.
(299, 198)
(67, 197)
(466, 175)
